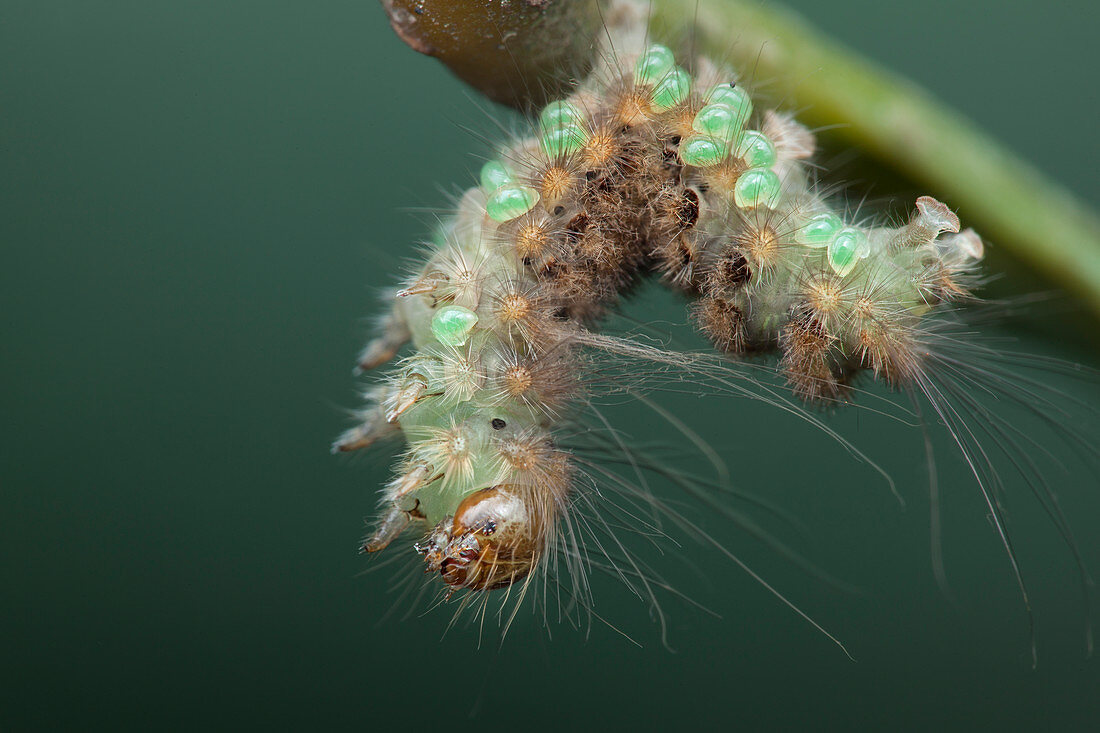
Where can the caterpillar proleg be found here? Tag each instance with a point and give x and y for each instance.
(657, 164)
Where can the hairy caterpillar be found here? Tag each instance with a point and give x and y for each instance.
(646, 167)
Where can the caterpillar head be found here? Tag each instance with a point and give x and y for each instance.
(490, 542)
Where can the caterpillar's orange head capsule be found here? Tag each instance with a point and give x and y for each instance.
(489, 543)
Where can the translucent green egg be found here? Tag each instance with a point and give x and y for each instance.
(563, 140)
(510, 201)
(844, 251)
(654, 64)
(672, 89)
(719, 121)
(560, 114)
(734, 97)
(451, 325)
(756, 150)
(494, 175)
(757, 187)
(820, 229)
(701, 151)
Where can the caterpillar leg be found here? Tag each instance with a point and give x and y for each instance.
(415, 478)
(374, 427)
(395, 334)
(411, 389)
(807, 361)
(391, 526)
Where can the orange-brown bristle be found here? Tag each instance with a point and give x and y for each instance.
(532, 240)
(679, 123)
(632, 107)
(889, 353)
(723, 177)
(680, 261)
(545, 382)
(864, 308)
(806, 360)
(939, 282)
(514, 309)
(557, 181)
(761, 245)
(723, 321)
(518, 380)
(601, 148)
(525, 453)
(532, 461)
(950, 289)
(825, 297)
(574, 286)
(596, 249)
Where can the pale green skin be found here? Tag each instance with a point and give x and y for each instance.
(466, 233)
(438, 500)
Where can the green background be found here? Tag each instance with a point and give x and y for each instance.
(199, 204)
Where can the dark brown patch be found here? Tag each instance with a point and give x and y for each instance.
(723, 322)
(689, 208)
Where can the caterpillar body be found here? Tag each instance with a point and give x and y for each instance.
(653, 165)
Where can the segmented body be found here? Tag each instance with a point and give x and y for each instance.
(646, 168)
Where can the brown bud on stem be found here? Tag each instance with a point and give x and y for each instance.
(501, 48)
